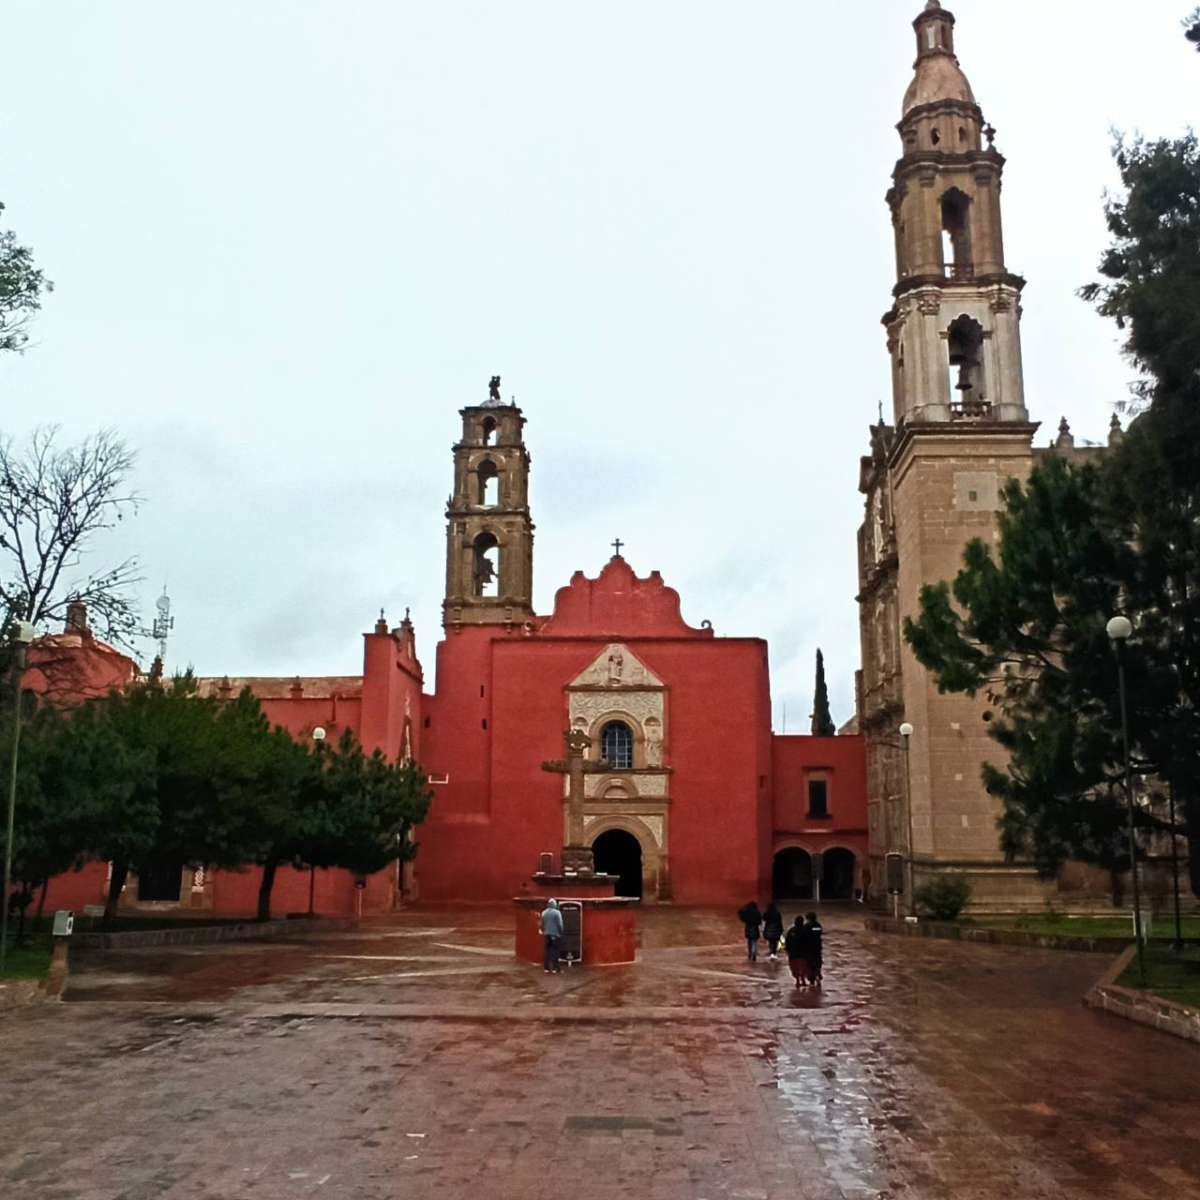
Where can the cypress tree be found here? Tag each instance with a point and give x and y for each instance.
(822, 721)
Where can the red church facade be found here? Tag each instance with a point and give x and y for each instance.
(690, 798)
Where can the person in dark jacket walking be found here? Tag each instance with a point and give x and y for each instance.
(816, 948)
(773, 930)
(751, 918)
(795, 945)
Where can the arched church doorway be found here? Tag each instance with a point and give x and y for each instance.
(837, 882)
(791, 878)
(619, 853)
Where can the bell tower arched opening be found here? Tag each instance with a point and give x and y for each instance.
(956, 234)
(487, 565)
(964, 340)
(489, 483)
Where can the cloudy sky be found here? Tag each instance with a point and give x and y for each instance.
(291, 238)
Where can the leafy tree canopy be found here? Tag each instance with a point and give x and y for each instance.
(22, 286)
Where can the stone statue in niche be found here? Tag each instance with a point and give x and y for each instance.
(616, 664)
(654, 741)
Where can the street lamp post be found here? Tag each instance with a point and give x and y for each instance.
(318, 736)
(906, 732)
(1119, 630)
(22, 635)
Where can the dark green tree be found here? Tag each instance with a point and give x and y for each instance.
(81, 795)
(822, 720)
(22, 286)
(358, 810)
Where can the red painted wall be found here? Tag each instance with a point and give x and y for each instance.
(737, 793)
(840, 760)
(500, 712)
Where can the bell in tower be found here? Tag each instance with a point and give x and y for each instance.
(489, 534)
(953, 332)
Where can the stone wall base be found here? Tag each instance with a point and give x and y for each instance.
(1143, 1008)
(996, 888)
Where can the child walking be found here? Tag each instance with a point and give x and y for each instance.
(773, 930)
(751, 918)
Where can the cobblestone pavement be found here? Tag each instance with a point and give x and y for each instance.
(414, 1058)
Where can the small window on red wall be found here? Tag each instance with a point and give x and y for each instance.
(818, 798)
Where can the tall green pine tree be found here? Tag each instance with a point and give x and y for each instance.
(822, 721)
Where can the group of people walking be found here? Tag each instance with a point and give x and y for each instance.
(803, 942)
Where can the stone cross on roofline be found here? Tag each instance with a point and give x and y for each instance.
(576, 856)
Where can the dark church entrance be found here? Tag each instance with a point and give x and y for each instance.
(792, 875)
(619, 853)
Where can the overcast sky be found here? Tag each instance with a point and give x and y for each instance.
(291, 238)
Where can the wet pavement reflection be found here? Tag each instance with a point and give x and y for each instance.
(415, 1057)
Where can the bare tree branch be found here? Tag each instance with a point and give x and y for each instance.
(52, 503)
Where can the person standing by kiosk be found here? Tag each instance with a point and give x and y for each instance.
(551, 925)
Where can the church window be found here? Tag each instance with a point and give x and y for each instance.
(936, 136)
(616, 745)
(489, 430)
(818, 798)
(489, 483)
(486, 553)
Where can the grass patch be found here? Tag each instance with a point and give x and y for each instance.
(1169, 974)
(1058, 925)
(29, 960)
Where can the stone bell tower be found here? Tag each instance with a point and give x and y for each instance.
(933, 479)
(954, 333)
(489, 534)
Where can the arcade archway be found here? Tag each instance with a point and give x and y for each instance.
(617, 852)
(791, 876)
(837, 878)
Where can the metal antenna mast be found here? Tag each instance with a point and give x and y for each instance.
(163, 623)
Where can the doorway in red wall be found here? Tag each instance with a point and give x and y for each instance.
(837, 881)
(620, 853)
(791, 877)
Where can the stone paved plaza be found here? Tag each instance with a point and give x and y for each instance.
(415, 1058)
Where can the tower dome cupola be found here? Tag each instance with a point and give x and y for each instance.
(938, 75)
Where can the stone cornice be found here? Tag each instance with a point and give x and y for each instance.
(953, 433)
(942, 283)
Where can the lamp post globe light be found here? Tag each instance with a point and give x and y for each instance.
(1119, 631)
(21, 634)
(906, 732)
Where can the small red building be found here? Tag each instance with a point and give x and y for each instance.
(689, 796)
